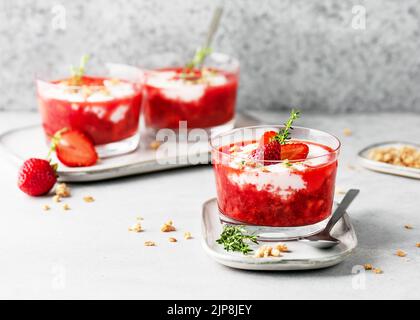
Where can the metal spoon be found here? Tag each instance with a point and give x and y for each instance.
(323, 239)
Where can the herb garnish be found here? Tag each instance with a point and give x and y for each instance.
(199, 57)
(77, 73)
(284, 133)
(236, 238)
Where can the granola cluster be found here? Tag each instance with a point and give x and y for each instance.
(62, 191)
(268, 251)
(167, 227)
(405, 156)
(135, 228)
(369, 267)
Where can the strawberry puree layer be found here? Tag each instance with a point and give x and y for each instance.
(106, 110)
(279, 195)
(203, 104)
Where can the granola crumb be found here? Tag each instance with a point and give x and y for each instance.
(275, 252)
(267, 251)
(368, 266)
(340, 191)
(62, 190)
(347, 132)
(154, 145)
(264, 169)
(66, 207)
(115, 81)
(400, 253)
(408, 226)
(46, 207)
(88, 199)
(263, 252)
(139, 218)
(172, 239)
(149, 244)
(168, 227)
(282, 248)
(418, 244)
(136, 228)
(378, 271)
(56, 199)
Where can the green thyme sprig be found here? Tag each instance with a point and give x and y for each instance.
(236, 238)
(200, 55)
(77, 73)
(196, 63)
(284, 133)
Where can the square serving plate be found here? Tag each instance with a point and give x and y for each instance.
(363, 157)
(300, 257)
(14, 144)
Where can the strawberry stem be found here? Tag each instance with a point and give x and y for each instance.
(54, 142)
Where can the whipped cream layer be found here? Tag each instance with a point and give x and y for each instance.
(175, 88)
(110, 90)
(281, 178)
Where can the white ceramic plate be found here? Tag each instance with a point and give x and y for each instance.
(364, 160)
(301, 257)
(22, 143)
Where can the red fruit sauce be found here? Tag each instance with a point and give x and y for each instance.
(268, 198)
(104, 121)
(165, 106)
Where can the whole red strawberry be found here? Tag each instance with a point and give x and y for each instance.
(36, 177)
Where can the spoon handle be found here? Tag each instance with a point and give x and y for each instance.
(341, 209)
(214, 25)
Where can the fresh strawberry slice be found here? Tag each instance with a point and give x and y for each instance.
(37, 177)
(75, 149)
(294, 151)
(267, 137)
(267, 152)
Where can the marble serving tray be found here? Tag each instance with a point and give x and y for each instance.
(300, 257)
(27, 142)
(363, 157)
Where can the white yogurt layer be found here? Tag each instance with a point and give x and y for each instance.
(178, 89)
(283, 183)
(282, 179)
(111, 90)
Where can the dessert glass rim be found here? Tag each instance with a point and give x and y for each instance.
(216, 54)
(215, 148)
(41, 78)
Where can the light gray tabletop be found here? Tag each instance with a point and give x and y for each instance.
(87, 252)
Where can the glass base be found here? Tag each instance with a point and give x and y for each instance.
(118, 148)
(274, 234)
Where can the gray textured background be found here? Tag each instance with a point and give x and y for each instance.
(293, 52)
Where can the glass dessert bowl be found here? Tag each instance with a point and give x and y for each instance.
(292, 196)
(204, 97)
(106, 107)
